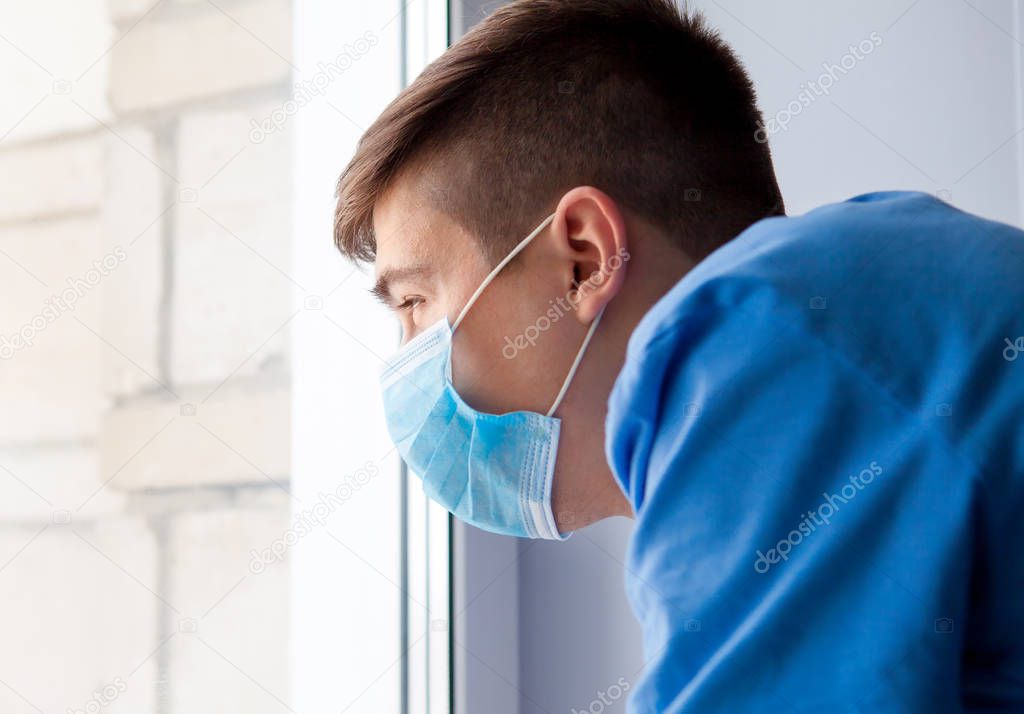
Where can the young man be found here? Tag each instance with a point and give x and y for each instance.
(816, 421)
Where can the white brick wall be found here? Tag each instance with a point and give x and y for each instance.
(42, 179)
(231, 247)
(98, 427)
(129, 10)
(234, 661)
(38, 482)
(78, 613)
(51, 385)
(45, 57)
(236, 437)
(184, 57)
(133, 220)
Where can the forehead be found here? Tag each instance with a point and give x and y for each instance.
(410, 229)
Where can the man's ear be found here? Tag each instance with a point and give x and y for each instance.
(591, 233)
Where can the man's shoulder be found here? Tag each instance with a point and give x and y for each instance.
(911, 294)
(874, 258)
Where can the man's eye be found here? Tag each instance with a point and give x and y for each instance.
(409, 303)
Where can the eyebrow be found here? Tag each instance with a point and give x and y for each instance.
(382, 288)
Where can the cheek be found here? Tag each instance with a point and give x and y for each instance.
(476, 374)
(509, 354)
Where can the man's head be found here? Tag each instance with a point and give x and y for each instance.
(632, 123)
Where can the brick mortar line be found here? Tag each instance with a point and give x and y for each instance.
(242, 496)
(54, 445)
(34, 219)
(174, 11)
(48, 140)
(241, 98)
(167, 155)
(261, 383)
(165, 625)
(229, 100)
(233, 494)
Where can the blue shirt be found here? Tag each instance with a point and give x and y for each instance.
(821, 431)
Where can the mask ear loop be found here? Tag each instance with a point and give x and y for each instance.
(575, 364)
(498, 268)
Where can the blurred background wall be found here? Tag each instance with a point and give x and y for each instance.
(144, 451)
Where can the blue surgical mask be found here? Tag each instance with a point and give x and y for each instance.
(493, 471)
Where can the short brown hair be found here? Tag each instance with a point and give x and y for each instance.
(633, 97)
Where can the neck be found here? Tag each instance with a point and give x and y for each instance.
(585, 490)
